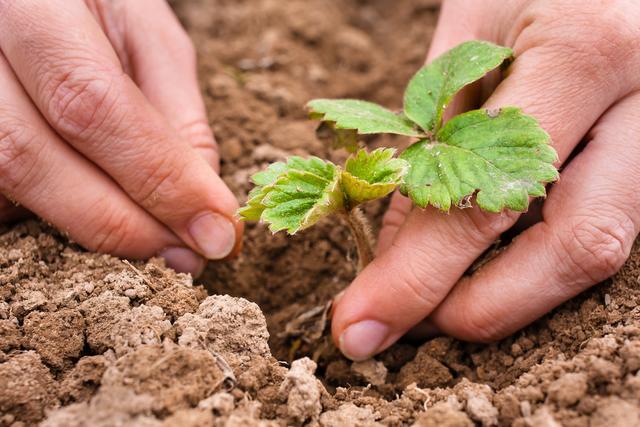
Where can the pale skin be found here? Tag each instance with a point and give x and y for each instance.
(576, 71)
(104, 134)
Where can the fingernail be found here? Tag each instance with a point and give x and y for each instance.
(362, 340)
(214, 234)
(183, 260)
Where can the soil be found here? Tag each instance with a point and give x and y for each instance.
(87, 339)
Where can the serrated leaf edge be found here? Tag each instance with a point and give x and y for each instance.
(464, 201)
(318, 115)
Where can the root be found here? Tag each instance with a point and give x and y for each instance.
(309, 326)
(140, 274)
(229, 380)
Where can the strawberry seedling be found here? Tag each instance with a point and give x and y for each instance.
(502, 157)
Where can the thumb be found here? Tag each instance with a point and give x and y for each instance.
(394, 292)
(404, 284)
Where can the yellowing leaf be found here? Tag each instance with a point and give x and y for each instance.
(370, 176)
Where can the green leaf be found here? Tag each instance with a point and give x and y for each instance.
(364, 117)
(264, 181)
(432, 88)
(295, 195)
(504, 156)
(370, 176)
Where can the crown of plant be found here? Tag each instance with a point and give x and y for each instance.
(503, 157)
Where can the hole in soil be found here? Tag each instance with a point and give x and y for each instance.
(289, 276)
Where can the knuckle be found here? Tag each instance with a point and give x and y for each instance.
(111, 228)
(613, 45)
(394, 217)
(80, 101)
(596, 37)
(199, 134)
(18, 157)
(485, 227)
(414, 282)
(596, 248)
(159, 181)
(476, 325)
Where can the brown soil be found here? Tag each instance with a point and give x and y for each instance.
(87, 339)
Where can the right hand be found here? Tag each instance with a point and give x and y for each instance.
(103, 131)
(576, 71)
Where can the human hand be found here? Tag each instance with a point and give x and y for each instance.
(576, 71)
(103, 132)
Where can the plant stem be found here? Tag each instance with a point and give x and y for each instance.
(361, 231)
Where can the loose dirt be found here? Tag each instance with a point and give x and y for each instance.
(87, 339)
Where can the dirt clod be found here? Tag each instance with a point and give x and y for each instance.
(372, 371)
(57, 336)
(232, 327)
(425, 371)
(443, 415)
(141, 325)
(176, 301)
(26, 388)
(568, 389)
(101, 315)
(616, 412)
(349, 415)
(302, 390)
(10, 334)
(111, 406)
(80, 383)
(175, 377)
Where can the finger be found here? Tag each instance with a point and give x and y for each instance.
(43, 174)
(394, 217)
(459, 21)
(161, 60)
(455, 25)
(403, 284)
(432, 251)
(81, 90)
(9, 212)
(591, 219)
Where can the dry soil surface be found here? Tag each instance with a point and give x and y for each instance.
(90, 340)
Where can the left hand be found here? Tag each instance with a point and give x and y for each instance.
(104, 133)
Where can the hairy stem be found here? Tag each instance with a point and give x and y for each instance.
(361, 231)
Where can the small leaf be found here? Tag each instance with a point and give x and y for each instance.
(264, 181)
(432, 88)
(339, 138)
(505, 156)
(365, 117)
(370, 176)
(295, 195)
